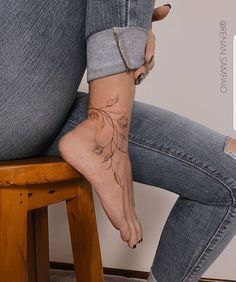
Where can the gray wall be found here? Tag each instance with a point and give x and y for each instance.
(186, 79)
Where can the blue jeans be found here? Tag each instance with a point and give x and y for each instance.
(43, 59)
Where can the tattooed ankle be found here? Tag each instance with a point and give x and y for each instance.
(117, 124)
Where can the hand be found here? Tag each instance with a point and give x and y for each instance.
(140, 73)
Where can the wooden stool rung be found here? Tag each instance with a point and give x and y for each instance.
(40, 195)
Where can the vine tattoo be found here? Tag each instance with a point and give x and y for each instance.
(107, 116)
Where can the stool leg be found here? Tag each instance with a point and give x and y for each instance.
(38, 240)
(42, 244)
(13, 234)
(84, 234)
(31, 256)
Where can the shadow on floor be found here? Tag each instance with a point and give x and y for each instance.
(69, 276)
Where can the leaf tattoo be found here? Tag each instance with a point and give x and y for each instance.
(118, 139)
(112, 101)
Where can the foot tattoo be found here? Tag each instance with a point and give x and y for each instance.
(117, 141)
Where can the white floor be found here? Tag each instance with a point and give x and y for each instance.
(69, 276)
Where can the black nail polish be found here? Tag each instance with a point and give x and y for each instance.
(134, 246)
(141, 240)
(168, 5)
(139, 78)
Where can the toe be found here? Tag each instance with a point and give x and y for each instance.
(133, 240)
(125, 232)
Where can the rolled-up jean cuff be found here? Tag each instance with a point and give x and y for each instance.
(115, 50)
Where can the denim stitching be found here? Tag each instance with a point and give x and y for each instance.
(189, 160)
(73, 122)
(225, 222)
(123, 53)
(126, 12)
(210, 246)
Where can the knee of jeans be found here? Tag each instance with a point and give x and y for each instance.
(229, 149)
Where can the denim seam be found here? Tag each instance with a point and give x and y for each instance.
(225, 222)
(174, 153)
(73, 122)
(98, 33)
(111, 51)
(120, 46)
(126, 12)
(210, 245)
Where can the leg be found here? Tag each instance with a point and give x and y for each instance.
(82, 222)
(42, 61)
(202, 221)
(46, 62)
(97, 148)
(38, 252)
(31, 265)
(105, 132)
(41, 244)
(13, 234)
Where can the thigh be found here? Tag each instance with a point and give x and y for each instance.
(170, 151)
(42, 61)
(181, 155)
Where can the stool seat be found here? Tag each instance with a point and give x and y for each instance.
(38, 170)
(27, 187)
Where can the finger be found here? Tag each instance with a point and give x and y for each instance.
(150, 65)
(140, 70)
(141, 73)
(150, 46)
(149, 52)
(161, 12)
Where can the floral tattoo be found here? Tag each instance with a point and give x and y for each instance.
(118, 139)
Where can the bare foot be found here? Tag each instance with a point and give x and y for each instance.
(130, 191)
(109, 172)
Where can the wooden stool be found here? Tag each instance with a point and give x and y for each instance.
(27, 187)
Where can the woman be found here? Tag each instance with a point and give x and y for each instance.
(45, 48)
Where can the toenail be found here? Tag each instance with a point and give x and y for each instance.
(141, 240)
(134, 246)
